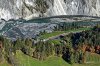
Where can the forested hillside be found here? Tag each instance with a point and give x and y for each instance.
(73, 48)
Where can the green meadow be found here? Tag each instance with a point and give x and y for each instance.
(55, 33)
(24, 60)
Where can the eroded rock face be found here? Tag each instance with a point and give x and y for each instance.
(42, 8)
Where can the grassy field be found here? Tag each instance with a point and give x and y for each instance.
(25, 60)
(55, 41)
(47, 35)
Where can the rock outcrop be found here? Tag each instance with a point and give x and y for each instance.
(14, 9)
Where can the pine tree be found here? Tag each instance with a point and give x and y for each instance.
(28, 42)
(18, 44)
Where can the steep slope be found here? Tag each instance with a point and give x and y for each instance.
(25, 60)
(43, 8)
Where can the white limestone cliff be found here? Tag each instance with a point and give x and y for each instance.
(14, 9)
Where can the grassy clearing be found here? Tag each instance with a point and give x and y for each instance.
(55, 41)
(25, 60)
(47, 35)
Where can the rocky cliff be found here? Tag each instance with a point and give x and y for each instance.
(28, 9)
